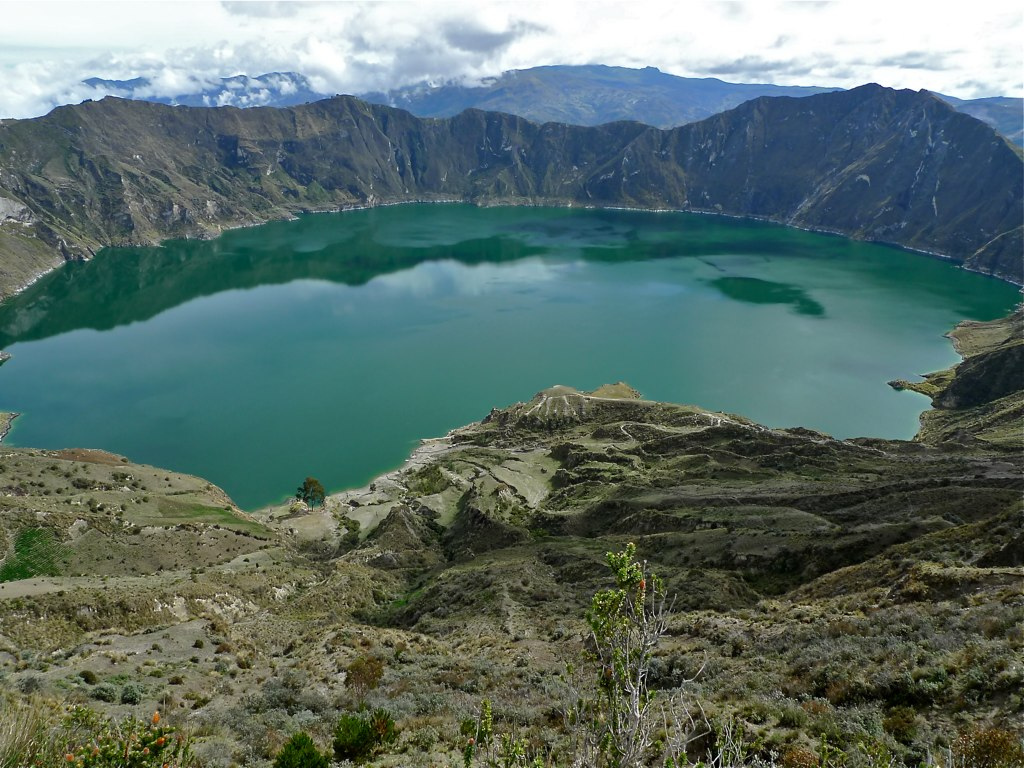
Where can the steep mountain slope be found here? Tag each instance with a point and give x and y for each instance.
(892, 166)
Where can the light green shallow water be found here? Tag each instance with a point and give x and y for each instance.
(329, 345)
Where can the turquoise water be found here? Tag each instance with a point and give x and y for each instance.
(329, 345)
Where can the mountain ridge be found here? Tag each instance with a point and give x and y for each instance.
(588, 94)
(896, 167)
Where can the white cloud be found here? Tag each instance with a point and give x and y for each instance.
(46, 47)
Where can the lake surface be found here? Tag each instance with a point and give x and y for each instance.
(329, 345)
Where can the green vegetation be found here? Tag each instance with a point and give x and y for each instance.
(36, 553)
(428, 480)
(616, 718)
(363, 675)
(171, 511)
(130, 743)
(311, 492)
(34, 732)
(351, 536)
(300, 752)
(358, 737)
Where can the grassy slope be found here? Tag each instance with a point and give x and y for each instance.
(868, 590)
(25, 258)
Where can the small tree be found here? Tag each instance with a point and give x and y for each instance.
(300, 752)
(614, 718)
(483, 749)
(311, 492)
(363, 675)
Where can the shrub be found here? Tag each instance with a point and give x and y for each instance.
(300, 752)
(353, 738)
(105, 692)
(88, 676)
(351, 535)
(428, 481)
(383, 726)
(131, 693)
(614, 718)
(364, 674)
(26, 731)
(901, 723)
(357, 737)
(989, 748)
(30, 684)
(129, 744)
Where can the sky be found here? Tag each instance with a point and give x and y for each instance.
(47, 47)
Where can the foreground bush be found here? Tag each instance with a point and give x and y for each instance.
(38, 732)
(358, 737)
(27, 731)
(300, 752)
(988, 748)
(104, 743)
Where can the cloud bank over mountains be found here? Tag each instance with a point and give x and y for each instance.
(48, 48)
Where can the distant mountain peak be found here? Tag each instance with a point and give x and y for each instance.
(276, 89)
(588, 94)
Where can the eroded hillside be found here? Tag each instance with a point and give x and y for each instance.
(869, 591)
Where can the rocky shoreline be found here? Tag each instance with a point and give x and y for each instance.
(6, 422)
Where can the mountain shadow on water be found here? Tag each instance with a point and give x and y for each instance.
(129, 285)
(756, 291)
(125, 285)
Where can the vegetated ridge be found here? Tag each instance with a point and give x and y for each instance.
(891, 166)
(864, 595)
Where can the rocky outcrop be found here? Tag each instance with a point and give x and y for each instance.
(985, 377)
(12, 210)
(981, 398)
(872, 163)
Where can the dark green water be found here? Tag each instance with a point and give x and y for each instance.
(329, 345)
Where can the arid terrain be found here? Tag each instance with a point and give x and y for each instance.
(862, 594)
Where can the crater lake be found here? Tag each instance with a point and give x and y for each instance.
(330, 344)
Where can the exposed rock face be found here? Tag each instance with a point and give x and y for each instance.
(12, 210)
(873, 163)
(985, 377)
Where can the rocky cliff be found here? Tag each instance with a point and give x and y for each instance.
(892, 166)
